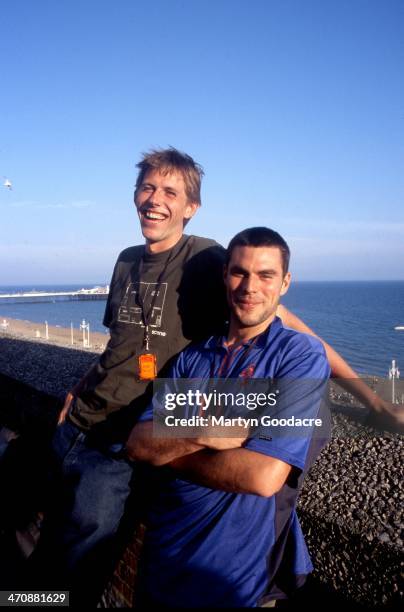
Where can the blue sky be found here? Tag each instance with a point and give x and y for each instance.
(294, 109)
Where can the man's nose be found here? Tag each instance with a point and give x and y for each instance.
(156, 197)
(249, 284)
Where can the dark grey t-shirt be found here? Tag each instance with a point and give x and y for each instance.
(190, 305)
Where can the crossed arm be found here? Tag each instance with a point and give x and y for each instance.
(235, 470)
(218, 463)
(384, 413)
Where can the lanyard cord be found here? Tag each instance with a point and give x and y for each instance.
(146, 318)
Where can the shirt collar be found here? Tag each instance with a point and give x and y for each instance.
(260, 342)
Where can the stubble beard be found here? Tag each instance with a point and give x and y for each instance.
(245, 320)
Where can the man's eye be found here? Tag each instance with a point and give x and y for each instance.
(172, 194)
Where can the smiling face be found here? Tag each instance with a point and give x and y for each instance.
(163, 207)
(254, 281)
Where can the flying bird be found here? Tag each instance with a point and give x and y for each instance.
(7, 183)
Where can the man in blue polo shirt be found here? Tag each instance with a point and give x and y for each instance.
(221, 527)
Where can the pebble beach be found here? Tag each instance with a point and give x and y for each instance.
(350, 506)
(61, 336)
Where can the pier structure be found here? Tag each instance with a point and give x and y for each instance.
(96, 293)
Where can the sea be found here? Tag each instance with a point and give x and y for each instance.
(357, 317)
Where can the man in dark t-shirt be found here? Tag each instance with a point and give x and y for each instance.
(181, 311)
(163, 296)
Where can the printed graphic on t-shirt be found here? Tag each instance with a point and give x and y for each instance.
(152, 294)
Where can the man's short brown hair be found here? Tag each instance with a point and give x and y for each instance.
(260, 237)
(169, 160)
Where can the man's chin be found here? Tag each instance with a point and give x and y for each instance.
(252, 320)
(151, 234)
(246, 321)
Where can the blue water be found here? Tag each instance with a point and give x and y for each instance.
(356, 318)
(57, 312)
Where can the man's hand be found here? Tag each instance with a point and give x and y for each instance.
(220, 437)
(66, 408)
(385, 415)
(143, 446)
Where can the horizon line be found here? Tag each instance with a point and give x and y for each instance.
(103, 283)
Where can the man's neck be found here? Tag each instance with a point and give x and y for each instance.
(163, 245)
(240, 335)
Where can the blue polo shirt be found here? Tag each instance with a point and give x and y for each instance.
(206, 547)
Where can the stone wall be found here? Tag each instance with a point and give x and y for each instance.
(350, 506)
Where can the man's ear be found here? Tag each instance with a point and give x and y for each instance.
(190, 210)
(286, 283)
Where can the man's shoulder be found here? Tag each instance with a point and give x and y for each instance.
(201, 296)
(202, 242)
(208, 246)
(291, 354)
(298, 350)
(204, 257)
(199, 351)
(300, 341)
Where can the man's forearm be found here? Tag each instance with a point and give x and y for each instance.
(339, 367)
(142, 446)
(74, 392)
(345, 376)
(349, 380)
(80, 385)
(234, 471)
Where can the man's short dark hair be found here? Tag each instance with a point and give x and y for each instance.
(169, 160)
(260, 237)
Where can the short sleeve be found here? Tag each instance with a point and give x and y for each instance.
(299, 414)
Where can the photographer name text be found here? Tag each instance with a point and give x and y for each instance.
(265, 421)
